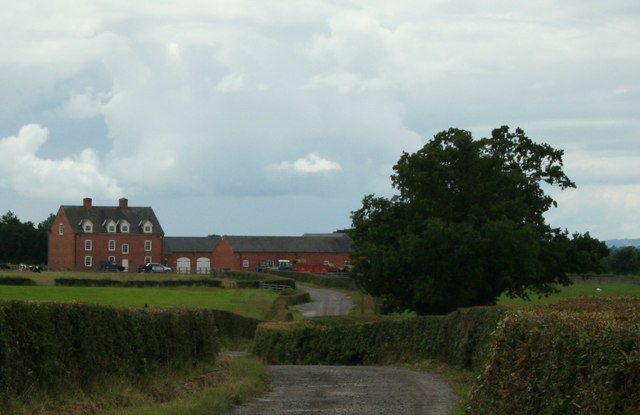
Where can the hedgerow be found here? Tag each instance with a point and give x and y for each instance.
(245, 279)
(577, 357)
(16, 281)
(329, 281)
(88, 282)
(460, 338)
(46, 345)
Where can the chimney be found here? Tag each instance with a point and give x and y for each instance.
(124, 203)
(86, 202)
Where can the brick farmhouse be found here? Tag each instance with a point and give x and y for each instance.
(87, 237)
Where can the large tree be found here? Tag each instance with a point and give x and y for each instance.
(467, 225)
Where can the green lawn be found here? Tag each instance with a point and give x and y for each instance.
(247, 302)
(579, 290)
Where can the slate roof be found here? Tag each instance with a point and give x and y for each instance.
(190, 243)
(326, 243)
(99, 215)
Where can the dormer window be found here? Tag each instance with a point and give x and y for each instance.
(110, 225)
(147, 226)
(86, 225)
(124, 226)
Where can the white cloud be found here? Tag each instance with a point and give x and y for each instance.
(84, 105)
(312, 163)
(231, 83)
(28, 175)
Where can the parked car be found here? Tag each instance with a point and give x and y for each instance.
(154, 267)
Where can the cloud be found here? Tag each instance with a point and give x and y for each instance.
(87, 104)
(72, 177)
(311, 164)
(231, 83)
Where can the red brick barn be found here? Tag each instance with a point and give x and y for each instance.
(87, 237)
(247, 253)
(190, 254)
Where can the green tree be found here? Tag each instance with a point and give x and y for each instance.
(624, 261)
(467, 225)
(23, 242)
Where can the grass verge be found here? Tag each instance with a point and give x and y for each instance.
(206, 389)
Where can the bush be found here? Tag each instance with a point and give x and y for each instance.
(566, 360)
(44, 346)
(460, 338)
(329, 281)
(16, 281)
(88, 282)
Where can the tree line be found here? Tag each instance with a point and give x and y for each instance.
(23, 242)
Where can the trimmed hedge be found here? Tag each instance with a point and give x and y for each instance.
(234, 326)
(328, 281)
(88, 282)
(579, 357)
(46, 346)
(461, 338)
(16, 281)
(244, 279)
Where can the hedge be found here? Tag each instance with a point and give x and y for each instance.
(46, 346)
(16, 281)
(88, 282)
(328, 281)
(579, 357)
(461, 338)
(244, 279)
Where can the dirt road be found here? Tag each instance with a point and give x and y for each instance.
(325, 302)
(348, 390)
(351, 390)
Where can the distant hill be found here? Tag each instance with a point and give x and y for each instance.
(618, 243)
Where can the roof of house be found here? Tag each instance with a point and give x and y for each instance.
(190, 243)
(328, 243)
(100, 216)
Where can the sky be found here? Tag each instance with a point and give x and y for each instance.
(277, 117)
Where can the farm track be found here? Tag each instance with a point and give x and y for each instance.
(348, 390)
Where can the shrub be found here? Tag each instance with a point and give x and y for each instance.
(16, 281)
(460, 338)
(580, 357)
(88, 282)
(46, 345)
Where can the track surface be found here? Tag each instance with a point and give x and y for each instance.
(348, 390)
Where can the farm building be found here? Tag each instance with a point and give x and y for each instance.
(91, 237)
(247, 253)
(88, 237)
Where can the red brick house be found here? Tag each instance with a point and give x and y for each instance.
(246, 253)
(86, 237)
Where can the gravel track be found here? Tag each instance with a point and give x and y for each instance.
(351, 390)
(348, 390)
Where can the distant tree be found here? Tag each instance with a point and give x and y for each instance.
(23, 242)
(467, 226)
(624, 261)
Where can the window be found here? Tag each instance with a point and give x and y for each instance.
(146, 225)
(124, 227)
(147, 259)
(88, 261)
(87, 226)
(112, 245)
(112, 259)
(111, 228)
(147, 245)
(125, 248)
(88, 245)
(61, 229)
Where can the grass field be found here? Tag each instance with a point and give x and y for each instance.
(247, 302)
(578, 290)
